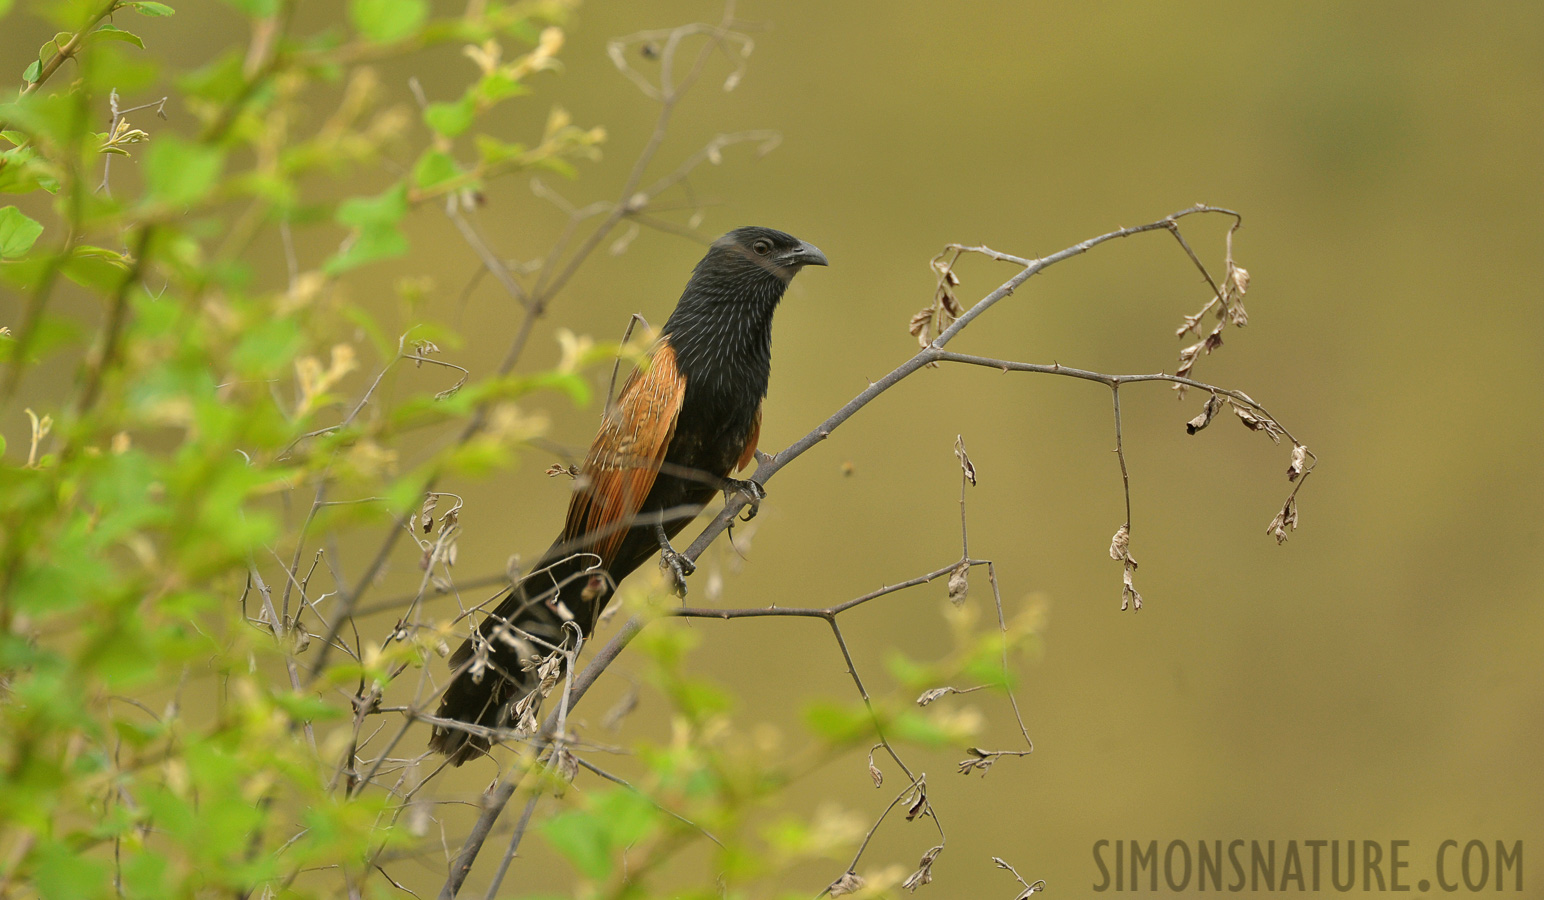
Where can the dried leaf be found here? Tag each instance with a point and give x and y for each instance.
(423, 348)
(1121, 543)
(849, 883)
(979, 760)
(943, 297)
(1187, 361)
(1285, 522)
(1240, 279)
(426, 512)
(918, 804)
(564, 767)
(964, 458)
(1299, 462)
(959, 583)
(1213, 404)
(1255, 422)
(920, 324)
(1128, 595)
(924, 873)
(556, 469)
(874, 773)
(931, 695)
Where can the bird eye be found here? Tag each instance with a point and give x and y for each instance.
(762, 247)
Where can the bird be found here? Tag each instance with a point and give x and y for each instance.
(682, 424)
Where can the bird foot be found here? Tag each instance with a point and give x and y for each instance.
(674, 563)
(753, 493)
(678, 568)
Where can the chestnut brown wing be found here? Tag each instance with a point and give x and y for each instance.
(748, 455)
(626, 456)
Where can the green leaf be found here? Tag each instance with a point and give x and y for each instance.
(450, 119)
(837, 723)
(376, 221)
(261, 9)
(17, 232)
(581, 837)
(32, 72)
(385, 21)
(629, 816)
(5, 7)
(180, 173)
(151, 8)
(433, 167)
(114, 33)
(594, 838)
(499, 85)
(491, 150)
(63, 874)
(219, 81)
(386, 208)
(96, 268)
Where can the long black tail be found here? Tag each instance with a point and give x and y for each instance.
(495, 668)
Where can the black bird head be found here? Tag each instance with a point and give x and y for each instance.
(752, 249)
(750, 265)
(744, 274)
(722, 326)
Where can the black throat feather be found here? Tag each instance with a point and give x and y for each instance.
(721, 331)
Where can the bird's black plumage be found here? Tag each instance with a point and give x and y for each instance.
(708, 377)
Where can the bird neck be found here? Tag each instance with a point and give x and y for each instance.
(722, 337)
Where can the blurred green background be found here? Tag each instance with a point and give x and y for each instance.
(1379, 676)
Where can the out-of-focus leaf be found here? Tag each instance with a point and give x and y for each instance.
(178, 172)
(18, 232)
(260, 9)
(377, 231)
(433, 167)
(450, 119)
(385, 21)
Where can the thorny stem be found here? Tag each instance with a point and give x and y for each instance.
(852, 669)
(1120, 453)
(934, 352)
(908, 791)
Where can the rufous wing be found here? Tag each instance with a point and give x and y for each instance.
(748, 455)
(626, 456)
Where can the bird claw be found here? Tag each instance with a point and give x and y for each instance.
(753, 493)
(678, 567)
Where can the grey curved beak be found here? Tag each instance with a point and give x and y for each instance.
(805, 255)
